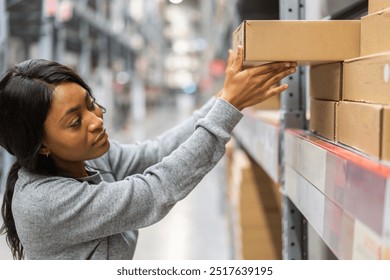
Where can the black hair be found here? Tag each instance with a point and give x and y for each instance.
(26, 93)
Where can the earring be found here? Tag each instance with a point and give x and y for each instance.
(47, 154)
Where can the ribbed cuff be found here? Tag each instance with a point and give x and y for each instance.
(222, 116)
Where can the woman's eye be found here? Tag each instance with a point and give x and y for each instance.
(76, 123)
(92, 106)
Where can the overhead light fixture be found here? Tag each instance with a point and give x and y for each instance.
(175, 1)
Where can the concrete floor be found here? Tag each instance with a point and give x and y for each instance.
(197, 227)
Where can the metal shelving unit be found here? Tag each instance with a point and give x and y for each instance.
(258, 133)
(317, 223)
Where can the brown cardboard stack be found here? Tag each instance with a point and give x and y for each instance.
(312, 42)
(363, 120)
(325, 93)
(354, 95)
(255, 203)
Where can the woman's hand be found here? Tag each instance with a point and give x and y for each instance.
(245, 88)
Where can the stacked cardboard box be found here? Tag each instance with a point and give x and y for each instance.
(363, 117)
(325, 93)
(255, 204)
(307, 42)
(350, 71)
(377, 5)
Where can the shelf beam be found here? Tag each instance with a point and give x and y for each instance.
(260, 139)
(345, 196)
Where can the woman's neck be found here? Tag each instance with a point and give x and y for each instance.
(72, 169)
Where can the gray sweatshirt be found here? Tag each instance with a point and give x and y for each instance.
(130, 187)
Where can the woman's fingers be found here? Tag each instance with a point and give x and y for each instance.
(237, 63)
(271, 68)
(273, 79)
(243, 88)
(275, 90)
(230, 59)
(268, 79)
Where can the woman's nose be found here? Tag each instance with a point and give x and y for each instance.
(95, 122)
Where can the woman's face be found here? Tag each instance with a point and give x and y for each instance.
(74, 130)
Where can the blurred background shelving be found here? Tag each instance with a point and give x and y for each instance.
(150, 63)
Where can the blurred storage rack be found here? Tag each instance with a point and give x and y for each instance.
(130, 52)
(334, 199)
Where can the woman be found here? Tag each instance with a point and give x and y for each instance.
(72, 193)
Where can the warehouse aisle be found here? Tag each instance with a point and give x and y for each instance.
(197, 227)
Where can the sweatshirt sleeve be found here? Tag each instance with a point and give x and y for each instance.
(67, 211)
(127, 159)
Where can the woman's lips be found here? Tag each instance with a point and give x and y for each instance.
(100, 137)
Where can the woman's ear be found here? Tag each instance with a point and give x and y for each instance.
(44, 150)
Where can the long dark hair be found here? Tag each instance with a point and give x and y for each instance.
(26, 92)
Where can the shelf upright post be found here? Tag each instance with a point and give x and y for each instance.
(85, 54)
(46, 39)
(3, 36)
(5, 158)
(294, 226)
(60, 36)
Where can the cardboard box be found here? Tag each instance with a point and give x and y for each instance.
(365, 127)
(307, 42)
(367, 79)
(323, 118)
(377, 5)
(272, 103)
(375, 33)
(326, 81)
(255, 208)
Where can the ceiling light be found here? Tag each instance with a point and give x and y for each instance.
(175, 1)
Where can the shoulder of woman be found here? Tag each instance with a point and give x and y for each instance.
(27, 178)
